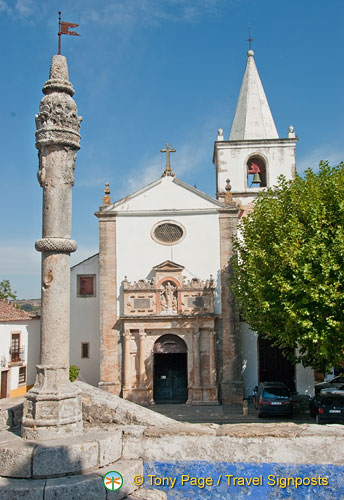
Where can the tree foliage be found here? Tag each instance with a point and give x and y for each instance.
(289, 266)
(73, 372)
(6, 291)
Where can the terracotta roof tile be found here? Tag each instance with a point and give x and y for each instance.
(10, 313)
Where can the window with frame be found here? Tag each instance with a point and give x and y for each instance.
(22, 375)
(15, 347)
(168, 232)
(85, 350)
(86, 284)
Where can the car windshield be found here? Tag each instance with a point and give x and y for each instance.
(338, 380)
(276, 392)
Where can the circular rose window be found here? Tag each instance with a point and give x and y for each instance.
(168, 233)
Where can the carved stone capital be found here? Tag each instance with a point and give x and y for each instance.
(63, 245)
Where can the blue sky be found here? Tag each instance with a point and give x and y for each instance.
(147, 72)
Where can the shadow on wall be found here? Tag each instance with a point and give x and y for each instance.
(33, 349)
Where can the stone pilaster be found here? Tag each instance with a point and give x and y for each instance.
(142, 358)
(126, 364)
(53, 407)
(212, 364)
(108, 332)
(230, 371)
(196, 390)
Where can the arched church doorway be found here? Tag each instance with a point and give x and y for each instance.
(273, 366)
(170, 370)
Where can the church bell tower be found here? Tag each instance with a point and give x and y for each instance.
(254, 156)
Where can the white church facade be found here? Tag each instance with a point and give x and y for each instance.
(152, 315)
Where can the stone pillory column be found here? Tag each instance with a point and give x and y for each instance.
(53, 407)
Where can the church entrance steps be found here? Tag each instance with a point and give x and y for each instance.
(11, 412)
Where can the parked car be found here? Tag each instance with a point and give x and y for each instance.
(327, 406)
(334, 382)
(273, 398)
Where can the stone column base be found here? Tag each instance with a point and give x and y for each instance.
(232, 392)
(111, 387)
(203, 395)
(139, 395)
(210, 395)
(53, 406)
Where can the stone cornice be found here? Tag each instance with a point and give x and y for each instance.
(257, 142)
(143, 213)
(166, 318)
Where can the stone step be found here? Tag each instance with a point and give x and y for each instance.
(11, 412)
(58, 457)
(87, 486)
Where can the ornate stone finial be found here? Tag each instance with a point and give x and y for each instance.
(58, 122)
(58, 77)
(228, 186)
(250, 53)
(168, 172)
(220, 134)
(291, 133)
(107, 199)
(228, 194)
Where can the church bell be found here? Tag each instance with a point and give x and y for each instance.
(256, 178)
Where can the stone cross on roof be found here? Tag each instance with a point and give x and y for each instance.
(168, 170)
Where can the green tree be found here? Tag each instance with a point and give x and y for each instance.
(5, 290)
(288, 275)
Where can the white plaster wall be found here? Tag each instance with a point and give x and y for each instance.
(232, 164)
(199, 252)
(249, 356)
(84, 325)
(29, 339)
(165, 194)
(33, 349)
(304, 379)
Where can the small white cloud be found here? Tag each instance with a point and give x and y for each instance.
(4, 7)
(25, 7)
(127, 13)
(187, 158)
(312, 159)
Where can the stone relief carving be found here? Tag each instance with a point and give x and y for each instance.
(168, 297)
(41, 169)
(58, 110)
(194, 297)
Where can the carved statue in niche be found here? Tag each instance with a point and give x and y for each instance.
(168, 297)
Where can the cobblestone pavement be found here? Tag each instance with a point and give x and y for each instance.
(226, 414)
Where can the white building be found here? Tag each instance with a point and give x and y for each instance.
(152, 316)
(19, 350)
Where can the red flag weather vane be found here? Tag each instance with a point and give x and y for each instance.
(64, 30)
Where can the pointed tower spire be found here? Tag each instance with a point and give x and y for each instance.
(253, 118)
